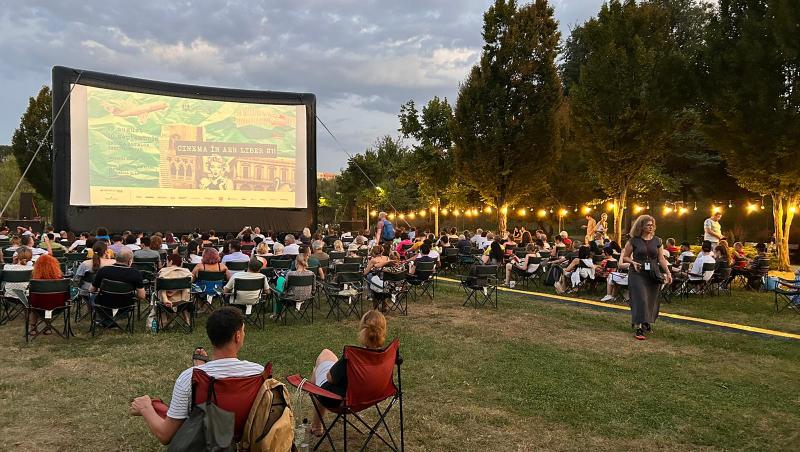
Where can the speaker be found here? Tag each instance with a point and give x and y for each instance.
(26, 210)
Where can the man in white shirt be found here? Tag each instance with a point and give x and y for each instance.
(225, 329)
(4, 233)
(477, 239)
(80, 242)
(487, 242)
(247, 296)
(705, 257)
(291, 248)
(235, 253)
(131, 243)
(27, 240)
(712, 231)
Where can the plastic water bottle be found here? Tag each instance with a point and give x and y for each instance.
(154, 326)
(300, 437)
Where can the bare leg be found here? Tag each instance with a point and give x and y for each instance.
(509, 266)
(316, 423)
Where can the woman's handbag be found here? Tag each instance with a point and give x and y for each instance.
(655, 271)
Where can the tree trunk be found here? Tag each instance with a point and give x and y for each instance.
(783, 213)
(436, 217)
(502, 218)
(619, 213)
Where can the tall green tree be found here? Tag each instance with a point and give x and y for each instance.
(430, 163)
(25, 141)
(623, 70)
(753, 89)
(505, 124)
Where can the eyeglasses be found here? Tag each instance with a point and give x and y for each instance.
(650, 225)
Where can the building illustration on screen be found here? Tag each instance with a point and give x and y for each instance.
(186, 163)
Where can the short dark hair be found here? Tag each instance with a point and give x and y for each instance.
(144, 241)
(222, 324)
(706, 246)
(116, 238)
(425, 248)
(255, 264)
(235, 245)
(130, 240)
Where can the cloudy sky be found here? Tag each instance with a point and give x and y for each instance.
(362, 59)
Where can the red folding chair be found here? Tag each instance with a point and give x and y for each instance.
(370, 381)
(234, 394)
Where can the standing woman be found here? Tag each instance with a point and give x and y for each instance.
(602, 224)
(644, 254)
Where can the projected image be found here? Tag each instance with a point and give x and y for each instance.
(145, 149)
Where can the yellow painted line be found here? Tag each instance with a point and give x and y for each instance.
(733, 326)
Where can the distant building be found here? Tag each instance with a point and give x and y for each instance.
(326, 176)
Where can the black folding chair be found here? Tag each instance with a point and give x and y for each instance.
(115, 301)
(254, 313)
(423, 281)
(449, 259)
(525, 276)
(395, 290)
(208, 287)
(237, 266)
(174, 314)
(12, 304)
(189, 266)
(701, 285)
(81, 298)
(281, 264)
(48, 298)
(8, 255)
(74, 260)
(300, 309)
(720, 282)
(344, 294)
(480, 285)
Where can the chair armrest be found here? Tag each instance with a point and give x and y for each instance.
(311, 388)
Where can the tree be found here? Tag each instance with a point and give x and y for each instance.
(430, 162)
(628, 88)
(753, 86)
(25, 141)
(505, 122)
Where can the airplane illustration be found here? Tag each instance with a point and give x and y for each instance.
(140, 111)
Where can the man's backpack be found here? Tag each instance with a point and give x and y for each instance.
(208, 428)
(388, 230)
(270, 424)
(553, 275)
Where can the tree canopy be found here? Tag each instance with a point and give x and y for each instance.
(33, 125)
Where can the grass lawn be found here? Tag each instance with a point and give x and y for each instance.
(533, 374)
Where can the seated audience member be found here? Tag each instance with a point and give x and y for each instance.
(338, 246)
(487, 241)
(193, 255)
(494, 254)
(705, 256)
(131, 243)
(424, 255)
(121, 271)
(305, 237)
(277, 249)
(262, 252)
(99, 259)
(580, 267)
(614, 280)
(565, 238)
(225, 330)
(477, 239)
(46, 267)
(171, 298)
(291, 248)
(318, 254)
(145, 251)
(102, 234)
(210, 262)
(686, 251)
(27, 241)
(4, 233)
(247, 240)
(297, 294)
(330, 372)
(253, 272)
(722, 254)
(376, 261)
(752, 273)
(116, 243)
(601, 268)
(739, 258)
(522, 265)
(671, 246)
(15, 242)
(54, 244)
(404, 240)
(463, 244)
(235, 253)
(21, 261)
(79, 242)
(311, 261)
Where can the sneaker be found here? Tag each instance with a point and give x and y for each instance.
(639, 335)
(512, 284)
(647, 328)
(607, 298)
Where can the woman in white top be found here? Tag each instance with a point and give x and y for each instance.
(602, 225)
(22, 262)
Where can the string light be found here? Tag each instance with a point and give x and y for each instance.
(586, 210)
(475, 212)
(444, 212)
(751, 207)
(467, 213)
(695, 206)
(402, 216)
(682, 210)
(521, 212)
(488, 209)
(391, 216)
(792, 209)
(611, 206)
(716, 209)
(412, 215)
(504, 210)
(730, 204)
(563, 212)
(551, 210)
(637, 208)
(541, 213)
(576, 208)
(422, 213)
(433, 209)
(374, 213)
(456, 212)
(667, 209)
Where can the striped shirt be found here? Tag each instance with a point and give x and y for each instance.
(219, 368)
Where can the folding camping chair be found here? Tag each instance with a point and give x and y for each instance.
(395, 290)
(721, 279)
(423, 281)
(115, 300)
(81, 298)
(528, 275)
(207, 288)
(236, 267)
(299, 309)
(787, 295)
(482, 280)
(48, 299)
(370, 382)
(174, 314)
(344, 293)
(449, 259)
(700, 286)
(12, 305)
(281, 265)
(254, 313)
(74, 260)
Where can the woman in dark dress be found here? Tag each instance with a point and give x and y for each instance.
(643, 251)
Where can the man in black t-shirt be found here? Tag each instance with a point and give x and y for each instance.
(121, 271)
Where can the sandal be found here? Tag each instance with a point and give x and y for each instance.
(199, 357)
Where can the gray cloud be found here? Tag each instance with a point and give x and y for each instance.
(362, 59)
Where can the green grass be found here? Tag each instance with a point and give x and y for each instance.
(533, 374)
